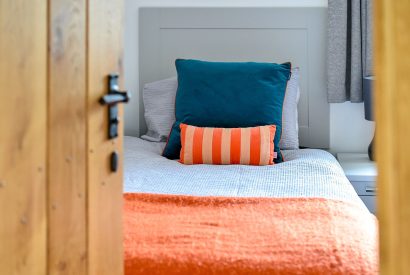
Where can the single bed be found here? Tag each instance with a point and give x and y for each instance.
(301, 216)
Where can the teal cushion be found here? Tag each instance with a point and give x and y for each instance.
(228, 95)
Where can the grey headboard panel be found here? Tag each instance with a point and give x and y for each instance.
(242, 34)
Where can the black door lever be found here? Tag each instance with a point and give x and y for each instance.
(112, 98)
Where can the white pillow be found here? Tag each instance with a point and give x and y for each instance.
(159, 103)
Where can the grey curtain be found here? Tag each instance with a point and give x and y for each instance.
(350, 50)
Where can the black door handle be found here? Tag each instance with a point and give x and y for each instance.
(115, 98)
(112, 98)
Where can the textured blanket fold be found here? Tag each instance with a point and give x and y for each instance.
(167, 234)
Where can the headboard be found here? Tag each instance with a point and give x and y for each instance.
(242, 34)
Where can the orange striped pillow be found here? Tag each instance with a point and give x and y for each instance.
(249, 146)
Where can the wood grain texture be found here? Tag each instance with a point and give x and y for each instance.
(67, 197)
(104, 187)
(23, 98)
(392, 65)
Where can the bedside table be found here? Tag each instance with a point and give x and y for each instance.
(362, 174)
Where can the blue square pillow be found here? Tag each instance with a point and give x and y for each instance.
(228, 95)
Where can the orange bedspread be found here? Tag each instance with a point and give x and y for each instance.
(167, 234)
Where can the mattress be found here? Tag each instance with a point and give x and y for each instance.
(305, 173)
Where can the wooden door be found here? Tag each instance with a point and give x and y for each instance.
(67, 139)
(105, 188)
(23, 136)
(393, 133)
(60, 204)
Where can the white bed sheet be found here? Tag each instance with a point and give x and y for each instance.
(305, 173)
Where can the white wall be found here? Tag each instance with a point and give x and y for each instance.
(349, 131)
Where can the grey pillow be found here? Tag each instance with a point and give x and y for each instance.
(290, 125)
(159, 103)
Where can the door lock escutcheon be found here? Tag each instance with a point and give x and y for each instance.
(111, 99)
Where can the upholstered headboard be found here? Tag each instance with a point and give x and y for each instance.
(242, 34)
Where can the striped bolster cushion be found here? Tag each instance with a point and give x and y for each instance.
(249, 146)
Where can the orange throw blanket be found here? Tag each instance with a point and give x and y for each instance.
(167, 234)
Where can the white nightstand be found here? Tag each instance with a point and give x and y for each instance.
(362, 174)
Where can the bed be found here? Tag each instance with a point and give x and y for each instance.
(301, 216)
(298, 217)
